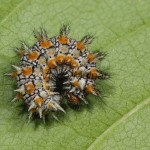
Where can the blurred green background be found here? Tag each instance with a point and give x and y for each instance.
(118, 121)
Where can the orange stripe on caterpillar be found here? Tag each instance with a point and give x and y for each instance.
(93, 74)
(33, 55)
(63, 39)
(26, 71)
(60, 58)
(29, 87)
(45, 44)
(39, 101)
(52, 63)
(73, 99)
(80, 45)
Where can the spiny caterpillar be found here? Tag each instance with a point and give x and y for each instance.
(54, 69)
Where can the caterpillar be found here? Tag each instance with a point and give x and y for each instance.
(54, 69)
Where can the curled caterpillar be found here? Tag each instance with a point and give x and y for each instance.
(54, 69)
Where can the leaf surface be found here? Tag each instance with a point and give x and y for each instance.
(119, 120)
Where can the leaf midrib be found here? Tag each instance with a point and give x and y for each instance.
(11, 12)
(118, 122)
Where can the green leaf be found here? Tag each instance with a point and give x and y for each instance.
(118, 121)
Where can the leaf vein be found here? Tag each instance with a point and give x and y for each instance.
(111, 128)
(13, 11)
